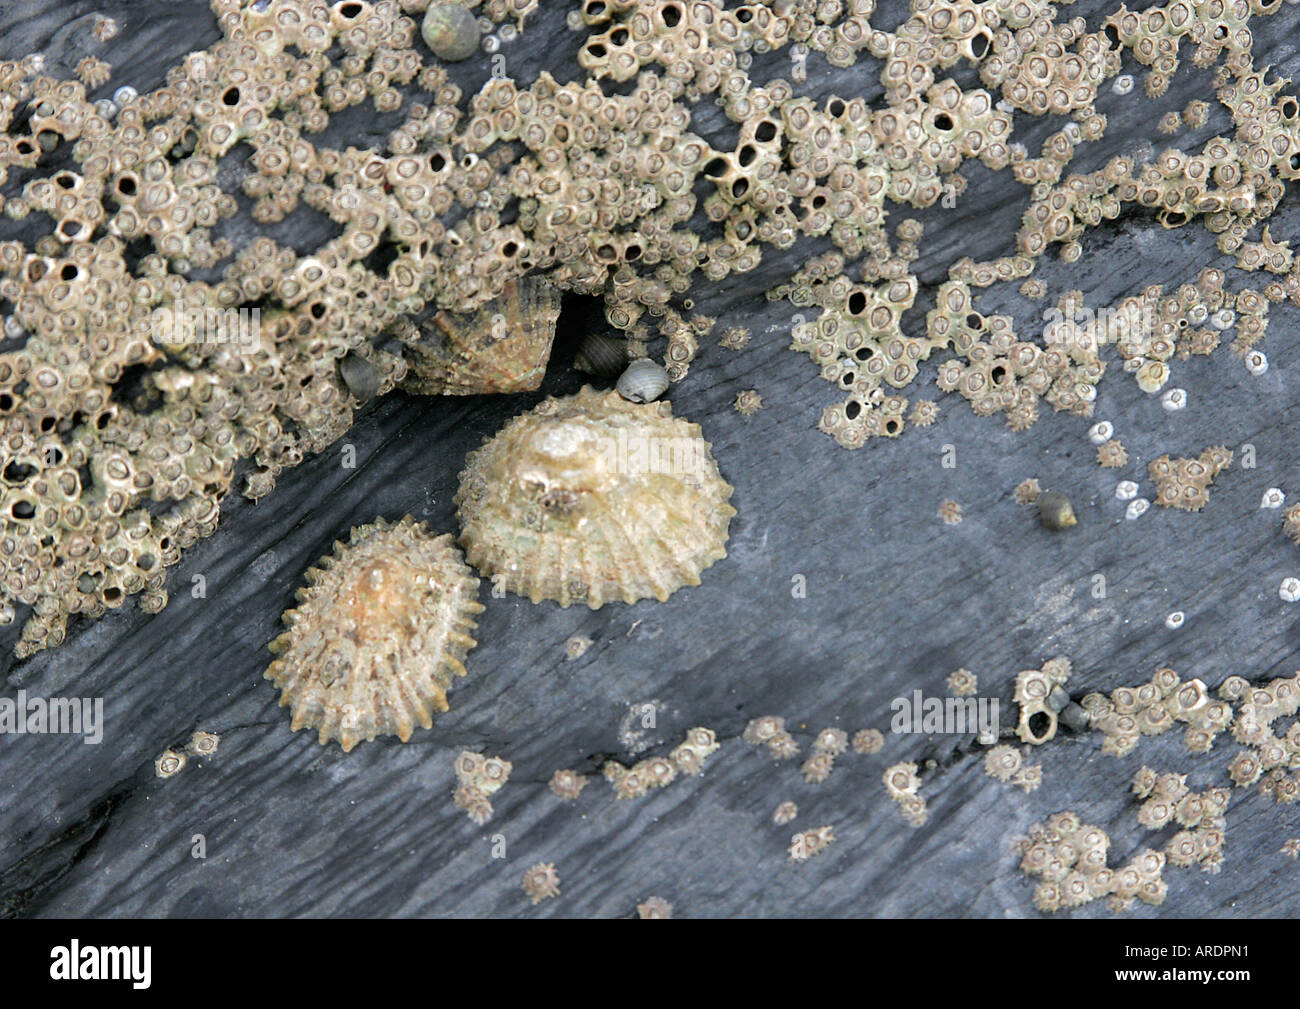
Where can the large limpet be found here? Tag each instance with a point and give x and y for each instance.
(591, 498)
(380, 633)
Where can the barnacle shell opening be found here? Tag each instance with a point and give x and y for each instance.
(591, 498)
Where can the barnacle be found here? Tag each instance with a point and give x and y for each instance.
(950, 512)
(807, 843)
(592, 498)
(576, 647)
(203, 744)
(868, 741)
(785, 813)
(654, 907)
(748, 402)
(567, 784)
(1027, 491)
(541, 882)
(962, 683)
(379, 634)
(168, 763)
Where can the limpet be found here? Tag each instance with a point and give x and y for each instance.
(379, 634)
(590, 498)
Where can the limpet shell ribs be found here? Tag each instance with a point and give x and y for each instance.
(380, 633)
(591, 498)
(502, 347)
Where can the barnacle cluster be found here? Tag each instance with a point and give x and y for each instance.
(828, 745)
(1266, 757)
(478, 777)
(1070, 857)
(1005, 763)
(150, 366)
(1167, 799)
(687, 758)
(770, 731)
(903, 785)
(1154, 707)
(1185, 483)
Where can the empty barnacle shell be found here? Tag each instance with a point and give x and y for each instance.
(602, 355)
(379, 634)
(642, 381)
(451, 31)
(1055, 510)
(501, 347)
(591, 498)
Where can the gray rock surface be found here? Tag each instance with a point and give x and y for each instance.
(895, 601)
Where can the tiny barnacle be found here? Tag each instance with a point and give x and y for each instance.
(1101, 432)
(868, 741)
(203, 744)
(654, 907)
(1175, 620)
(1027, 491)
(1273, 498)
(1174, 399)
(567, 784)
(576, 647)
(807, 843)
(748, 402)
(169, 762)
(1123, 84)
(1256, 362)
(950, 512)
(1289, 590)
(785, 813)
(1136, 508)
(1111, 454)
(541, 882)
(962, 683)
(1126, 490)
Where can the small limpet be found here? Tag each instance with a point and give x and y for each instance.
(379, 634)
(590, 498)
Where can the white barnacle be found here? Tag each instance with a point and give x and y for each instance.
(1273, 498)
(1123, 84)
(1136, 508)
(1256, 362)
(1175, 620)
(1174, 399)
(1126, 490)
(1289, 590)
(1101, 432)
